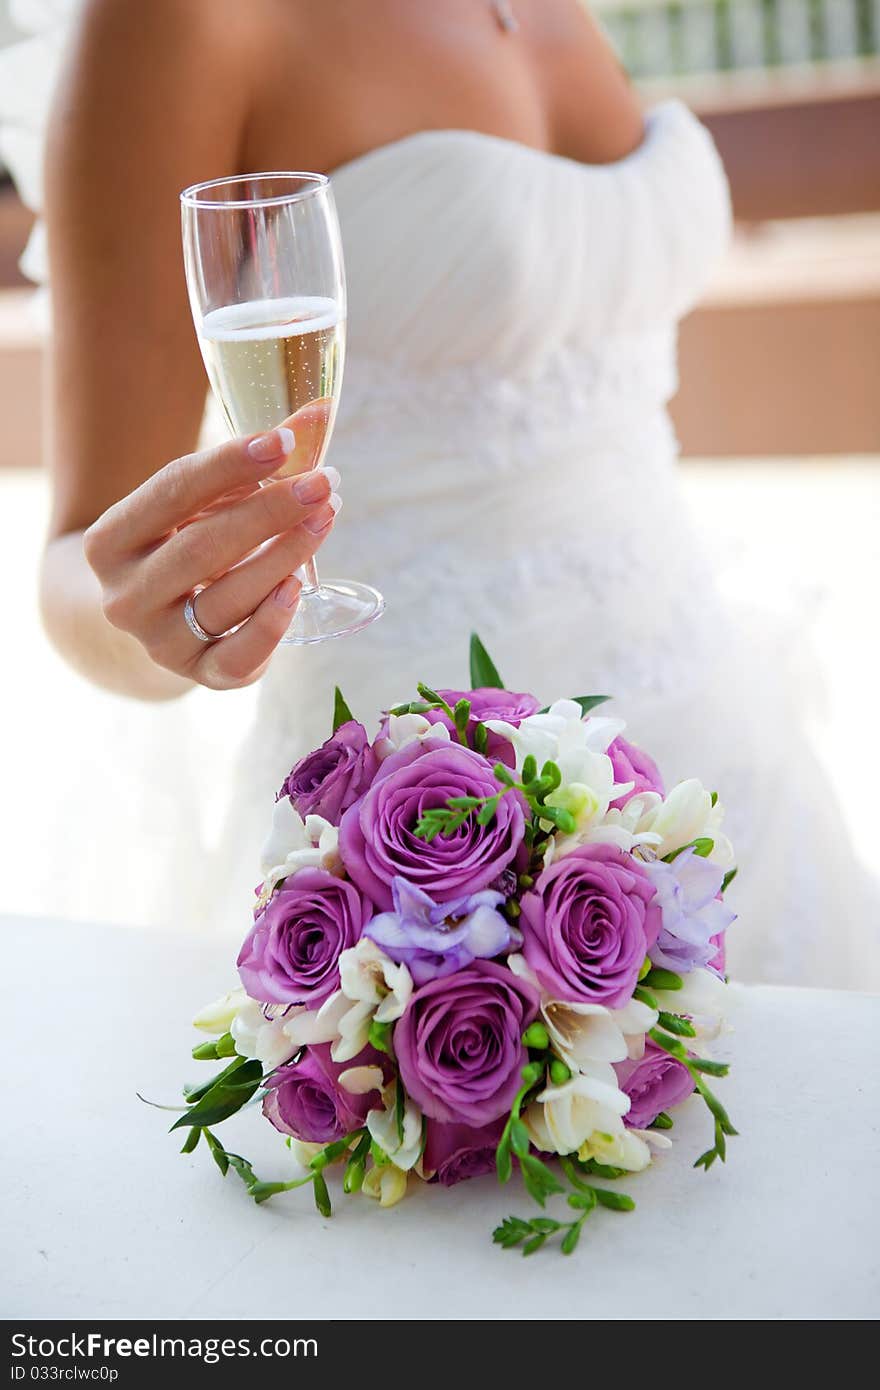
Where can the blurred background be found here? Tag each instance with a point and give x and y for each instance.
(778, 412)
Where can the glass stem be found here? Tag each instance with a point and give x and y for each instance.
(310, 581)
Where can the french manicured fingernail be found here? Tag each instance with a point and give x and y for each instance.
(336, 503)
(333, 476)
(311, 487)
(319, 520)
(274, 445)
(287, 592)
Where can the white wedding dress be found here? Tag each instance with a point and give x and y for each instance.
(508, 466)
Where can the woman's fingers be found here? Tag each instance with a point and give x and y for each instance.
(241, 658)
(180, 490)
(234, 597)
(213, 544)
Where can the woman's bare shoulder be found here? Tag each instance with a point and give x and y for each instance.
(164, 30)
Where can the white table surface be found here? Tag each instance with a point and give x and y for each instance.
(102, 1217)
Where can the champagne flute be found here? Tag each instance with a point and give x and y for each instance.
(264, 270)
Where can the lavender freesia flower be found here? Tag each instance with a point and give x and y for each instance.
(693, 915)
(435, 939)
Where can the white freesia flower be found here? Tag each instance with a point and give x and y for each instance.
(372, 986)
(303, 1153)
(260, 1030)
(686, 814)
(622, 826)
(618, 1148)
(217, 1017)
(382, 1124)
(578, 747)
(703, 997)
(562, 1118)
(584, 1033)
(359, 1081)
(295, 844)
(404, 729)
(386, 1183)
(560, 732)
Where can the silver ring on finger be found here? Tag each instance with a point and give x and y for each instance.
(195, 626)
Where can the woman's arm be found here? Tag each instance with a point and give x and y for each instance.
(136, 118)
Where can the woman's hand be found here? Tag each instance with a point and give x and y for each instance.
(204, 523)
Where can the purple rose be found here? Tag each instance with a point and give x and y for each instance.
(693, 914)
(328, 781)
(434, 939)
(305, 1098)
(377, 838)
(487, 702)
(632, 764)
(588, 924)
(459, 1043)
(456, 1152)
(656, 1082)
(291, 954)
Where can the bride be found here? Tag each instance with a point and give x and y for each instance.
(520, 242)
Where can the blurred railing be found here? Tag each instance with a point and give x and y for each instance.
(667, 38)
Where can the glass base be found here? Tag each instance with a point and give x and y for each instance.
(334, 609)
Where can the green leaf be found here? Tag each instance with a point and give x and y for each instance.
(484, 673)
(662, 1121)
(341, 713)
(195, 1093)
(511, 1232)
(503, 1164)
(586, 702)
(703, 846)
(539, 1181)
(534, 1244)
(227, 1094)
(191, 1140)
(399, 1108)
(728, 879)
(519, 1138)
(322, 1196)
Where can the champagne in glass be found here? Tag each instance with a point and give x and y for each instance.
(275, 358)
(267, 290)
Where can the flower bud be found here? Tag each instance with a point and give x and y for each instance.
(536, 1036)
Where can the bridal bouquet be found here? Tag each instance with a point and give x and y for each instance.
(485, 939)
